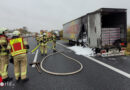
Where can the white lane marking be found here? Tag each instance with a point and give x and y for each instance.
(35, 58)
(104, 64)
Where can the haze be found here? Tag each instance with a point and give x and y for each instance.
(50, 14)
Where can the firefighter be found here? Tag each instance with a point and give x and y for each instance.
(19, 47)
(37, 38)
(4, 55)
(43, 43)
(54, 42)
(49, 37)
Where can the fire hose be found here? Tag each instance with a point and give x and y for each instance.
(60, 74)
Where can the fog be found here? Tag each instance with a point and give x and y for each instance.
(50, 14)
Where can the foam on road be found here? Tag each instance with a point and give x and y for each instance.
(85, 51)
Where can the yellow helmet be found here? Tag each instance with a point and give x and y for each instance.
(2, 30)
(41, 32)
(16, 33)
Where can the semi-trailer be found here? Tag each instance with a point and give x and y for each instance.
(105, 30)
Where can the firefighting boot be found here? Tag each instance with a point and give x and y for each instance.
(25, 80)
(42, 54)
(54, 50)
(8, 79)
(18, 79)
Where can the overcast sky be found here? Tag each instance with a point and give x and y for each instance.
(50, 14)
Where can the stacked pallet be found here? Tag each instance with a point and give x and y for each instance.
(110, 35)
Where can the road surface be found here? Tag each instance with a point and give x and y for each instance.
(94, 76)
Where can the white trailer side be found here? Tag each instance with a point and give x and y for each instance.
(94, 30)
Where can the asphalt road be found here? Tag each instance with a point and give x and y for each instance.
(93, 76)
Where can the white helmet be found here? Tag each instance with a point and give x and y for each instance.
(2, 30)
(16, 33)
(44, 34)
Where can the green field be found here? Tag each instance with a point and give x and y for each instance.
(128, 44)
(128, 35)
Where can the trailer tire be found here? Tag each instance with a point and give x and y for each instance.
(97, 50)
(77, 43)
(71, 42)
(82, 43)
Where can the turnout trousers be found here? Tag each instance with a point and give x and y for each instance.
(54, 44)
(3, 66)
(20, 66)
(43, 48)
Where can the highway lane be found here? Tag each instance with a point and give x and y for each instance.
(92, 77)
(120, 62)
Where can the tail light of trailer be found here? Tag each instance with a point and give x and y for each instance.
(123, 49)
(122, 44)
(103, 51)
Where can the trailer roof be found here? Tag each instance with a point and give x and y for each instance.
(75, 19)
(108, 10)
(102, 10)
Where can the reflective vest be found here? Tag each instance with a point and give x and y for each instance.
(17, 46)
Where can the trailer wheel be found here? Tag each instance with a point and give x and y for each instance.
(97, 50)
(71, 42)
(77, 43)
(82, 43)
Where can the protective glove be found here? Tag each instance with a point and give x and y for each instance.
(41, 41)
(0, 47)
(5, 46)
(11, 60)
(7, 51)
(27, 46)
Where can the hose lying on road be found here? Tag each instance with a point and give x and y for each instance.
(61, 74)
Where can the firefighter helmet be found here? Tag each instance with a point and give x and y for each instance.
(16, 33)
(44, 34)
(41, 32)
(2, 30)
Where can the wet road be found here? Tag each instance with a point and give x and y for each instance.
(93, 76)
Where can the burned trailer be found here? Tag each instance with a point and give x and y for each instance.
(74, 31)
(107, 29)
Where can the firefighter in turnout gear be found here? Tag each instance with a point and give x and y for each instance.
(49, 37)
(4, 55)
(43, 43)
(19, 47)
(37, 38)
(54, 42)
